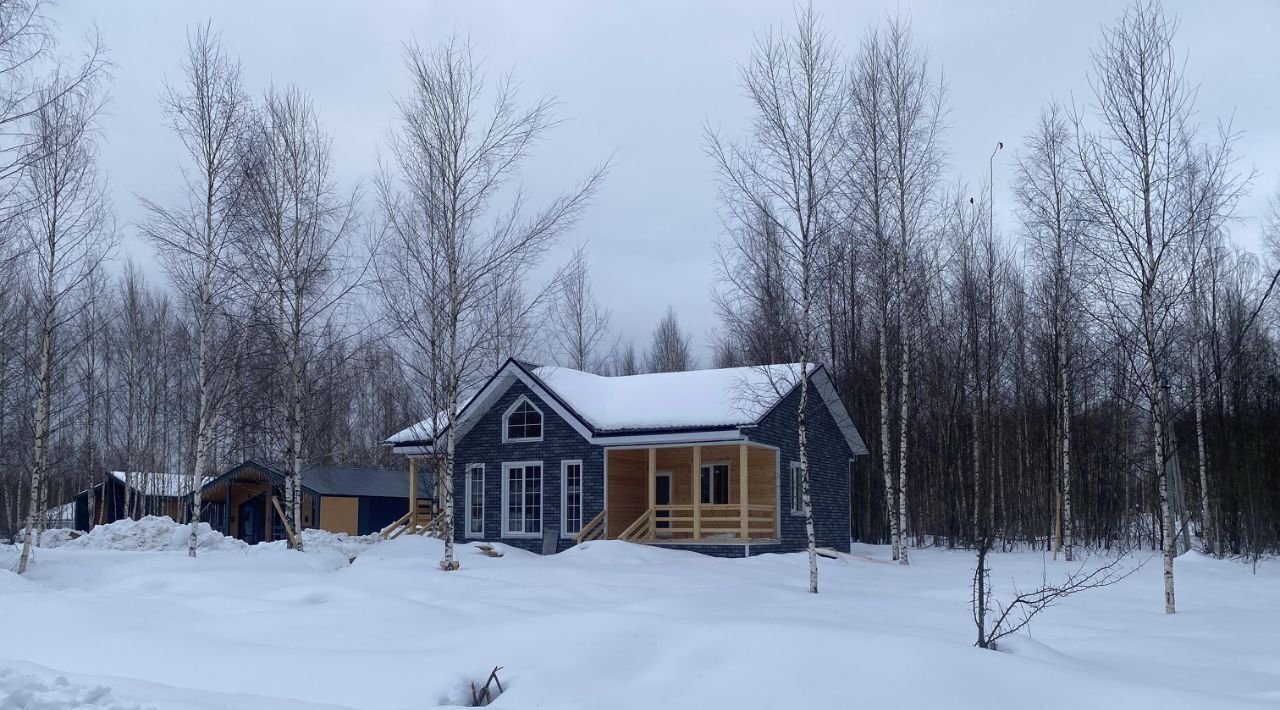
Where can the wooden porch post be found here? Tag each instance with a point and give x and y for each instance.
(653, 490)
(697, 492)
(413, 491)
(742, 490)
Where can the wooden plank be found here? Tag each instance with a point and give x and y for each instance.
(743, 499)
(284, 520)
(696, 471)
(653, 487)
(413, 491)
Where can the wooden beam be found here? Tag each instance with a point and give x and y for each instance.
(653, 490)
(413, 491)
(742, 489)
(696, 487)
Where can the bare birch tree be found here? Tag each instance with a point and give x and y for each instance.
(456, 225)
(670, 348)
(297, 254)
(913, 108)
(579, 325)
(1134, 165)
(787, 170)
(197, 238)
(1048, 193)
(70, 230)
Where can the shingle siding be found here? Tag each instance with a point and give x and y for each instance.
(829, 470)
(829, 458)
(560, 442)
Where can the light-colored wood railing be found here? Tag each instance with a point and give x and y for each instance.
(593, 530)
(676, 522)
(638, 530)
(420, 520)
(392, 529)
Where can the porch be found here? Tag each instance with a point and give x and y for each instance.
(722, 493)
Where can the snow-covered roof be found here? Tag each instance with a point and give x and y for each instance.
(154, 483)
(720, 399)
(727, 397)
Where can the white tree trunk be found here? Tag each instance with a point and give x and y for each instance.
(890, 504)
(1064, 394)
(39, 470)
(904, 401)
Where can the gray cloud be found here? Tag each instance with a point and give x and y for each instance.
(638, 81)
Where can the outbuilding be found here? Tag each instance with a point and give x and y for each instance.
(247, 501)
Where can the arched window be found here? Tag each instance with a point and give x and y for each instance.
(523, 422)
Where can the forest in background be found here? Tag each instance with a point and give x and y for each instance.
(1105, 376)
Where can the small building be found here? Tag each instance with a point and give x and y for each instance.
(149, 493)
(546, 457)
(247, 501)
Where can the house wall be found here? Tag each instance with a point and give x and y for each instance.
(378, 512)
(560, 442)
(340, 514)
(829, 471)
(628, 496)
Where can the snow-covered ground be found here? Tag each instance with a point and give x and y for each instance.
(606, 625)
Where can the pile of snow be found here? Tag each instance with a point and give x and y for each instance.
(152, 533)
(19, 691)
(316, 540)
(53, 537)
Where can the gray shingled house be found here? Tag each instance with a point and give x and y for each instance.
(547, 457)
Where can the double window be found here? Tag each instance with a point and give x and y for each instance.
(797, 491)
(522, 499)
(475, 500)
(570, 498)
(715, 483)
(523, 422)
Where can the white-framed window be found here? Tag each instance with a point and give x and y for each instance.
(570, 498)
(522, 499)
(715, 483)
(475, 500)
(522, 422)
(797, 491)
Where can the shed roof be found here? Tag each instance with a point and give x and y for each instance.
(331, 480)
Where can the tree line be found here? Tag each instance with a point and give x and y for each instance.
(1102, 376)
(1105, 376)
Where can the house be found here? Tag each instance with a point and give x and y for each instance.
(247, 501)
(149, 493)
(546, 457)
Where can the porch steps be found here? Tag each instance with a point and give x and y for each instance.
(426, 522)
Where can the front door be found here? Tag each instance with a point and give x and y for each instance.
(662, 496)
(251, 520)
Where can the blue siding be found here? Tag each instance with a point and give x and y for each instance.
(829, 458)
(829, 471)
(560, 442)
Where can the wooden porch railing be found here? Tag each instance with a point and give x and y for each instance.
(419, 521)
(593, 530)
(678, 522)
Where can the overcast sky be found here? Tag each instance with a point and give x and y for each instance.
(638, 81)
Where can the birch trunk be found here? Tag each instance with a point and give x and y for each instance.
(41, 464)
(1064, 428)
(886, 441)
(904, 399)
(204, 412)
(806, 336)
